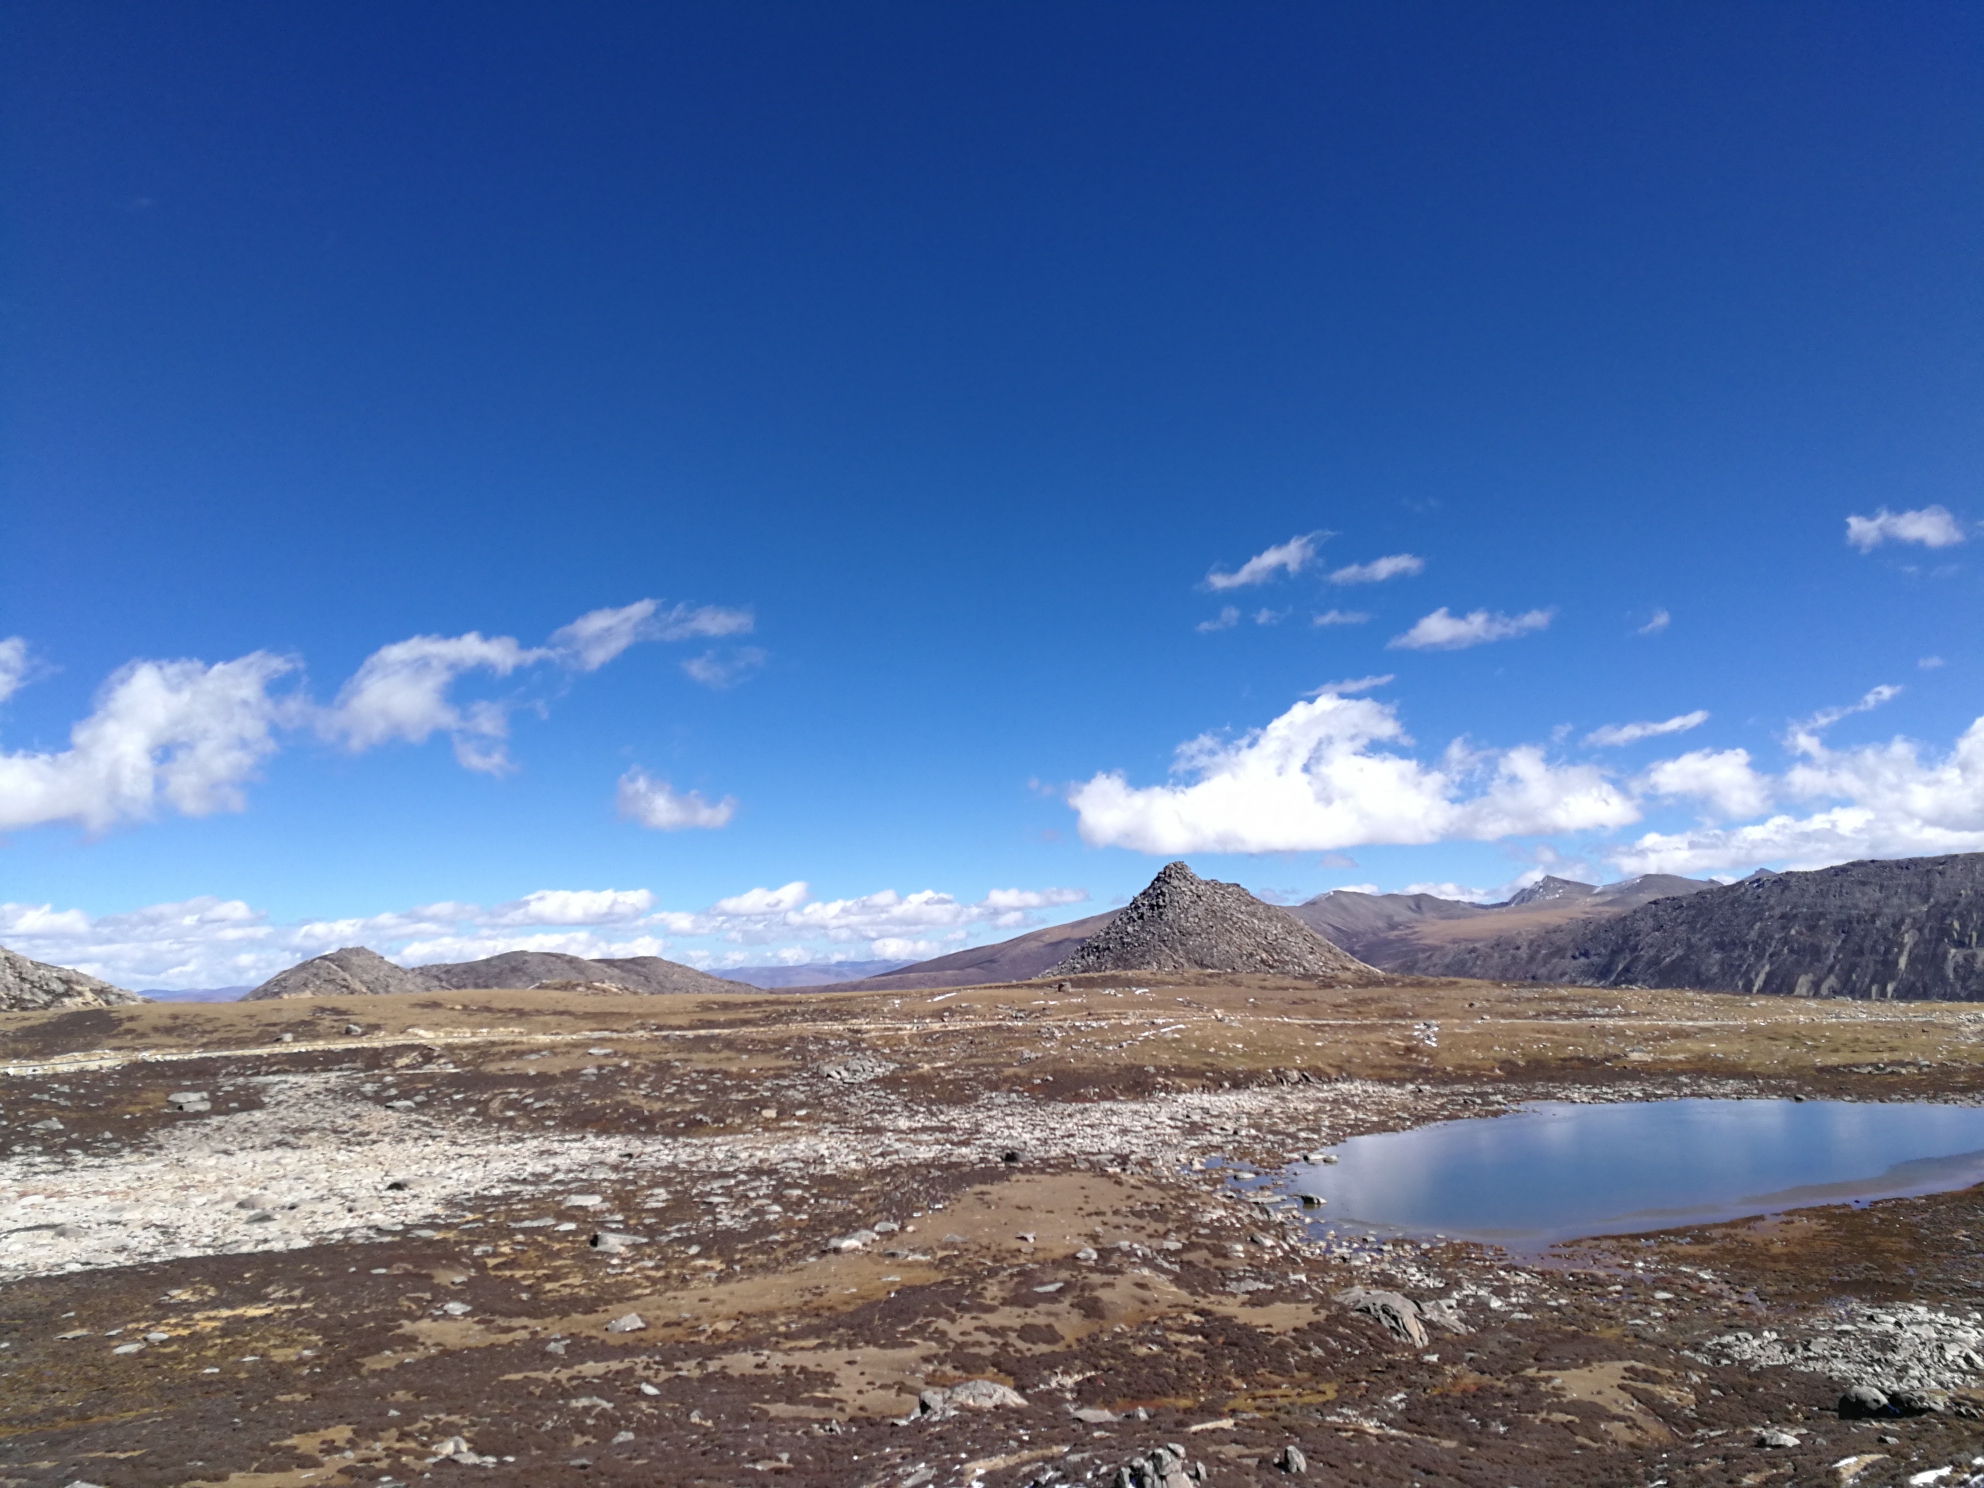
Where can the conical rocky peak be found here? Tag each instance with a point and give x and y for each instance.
(1182, 922)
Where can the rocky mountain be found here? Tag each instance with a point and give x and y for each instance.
(356, 971)
(1182, 922)
(1908, 928)
(33, 986)
(1399, 932)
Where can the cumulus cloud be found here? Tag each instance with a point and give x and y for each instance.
(1631, 733)
(400, 693)
(164, 734)
(1340, 617)
(1660, 621)
(188, 737)
(654, 803)
(1392, 566)
(1721, 779)
(1442, 631)
(211, 942)
(1931, 526)
(13, 666)
(1226, 619)
(1288, 558)
(1325, 775)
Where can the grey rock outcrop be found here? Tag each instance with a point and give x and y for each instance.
(1182, 922)
(1906, 928)
(354, 971)
(33, 986)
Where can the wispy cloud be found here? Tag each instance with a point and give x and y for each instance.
(1226, 619)
(1804, 734)
(1631, 733)
(1660, 621)
(657, 805)
(1393, 566)
(721, 669)
(13, 666)
(1443, 631)
(1350, 685)
(1931, 526)
(1288, 558)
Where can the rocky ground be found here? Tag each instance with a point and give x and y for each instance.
(932, 1239)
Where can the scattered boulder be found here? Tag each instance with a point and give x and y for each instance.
(613, 1242)
(191, 1101)
(1398, 1313)
(1182, 922)
(633, 1322)
(1861, 1402)
(34, 986)
(1773, 1437)
(1292, 1460)
(973, 1394)
(1161, 1467)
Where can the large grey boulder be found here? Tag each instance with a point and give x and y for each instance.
(33, 986)
(1182, 922)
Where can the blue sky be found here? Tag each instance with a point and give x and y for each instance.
(764, 482)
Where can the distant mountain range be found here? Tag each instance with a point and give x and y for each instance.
(811, 973)
(1414, 932)
(358, 971)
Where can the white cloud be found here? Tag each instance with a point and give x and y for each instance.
(1930, 663)
(895, 948)
(753, 902)
(717, 670)
(1002, 900)
(13, 666)
(575, 907)
(1721, 778)
(1288, 558)
(594, 639)
(1804, 736)
(1321, 776)
(1340, 617)
(1660, 621)
(1441, 631)
(1451, 890)
(177, 734)
(1351, 685)
(400, 692)
(1378, 570)
(1892, 802)
(1226, 619)
(1270, 617)
(1631, 733)
(654, 803)
(1931, 526)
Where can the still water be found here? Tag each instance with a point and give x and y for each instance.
(1559, 1171)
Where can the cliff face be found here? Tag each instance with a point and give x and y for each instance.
(1908, 928)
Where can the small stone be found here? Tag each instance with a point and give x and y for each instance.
(555, 1346)
(1773, 1437)
(352, 1030)
(189, 1100)
(613, 1242)
(129, 1348)
(1095, 1416)
(157, 1337)
(631, 1323)
(261, 1216)
(456, 1309)
(50, 1124)
(620, 1439)
(844, 1243)
(1292, 1460)
(1086, 1253)
(648, 1389)
(885, 1227)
